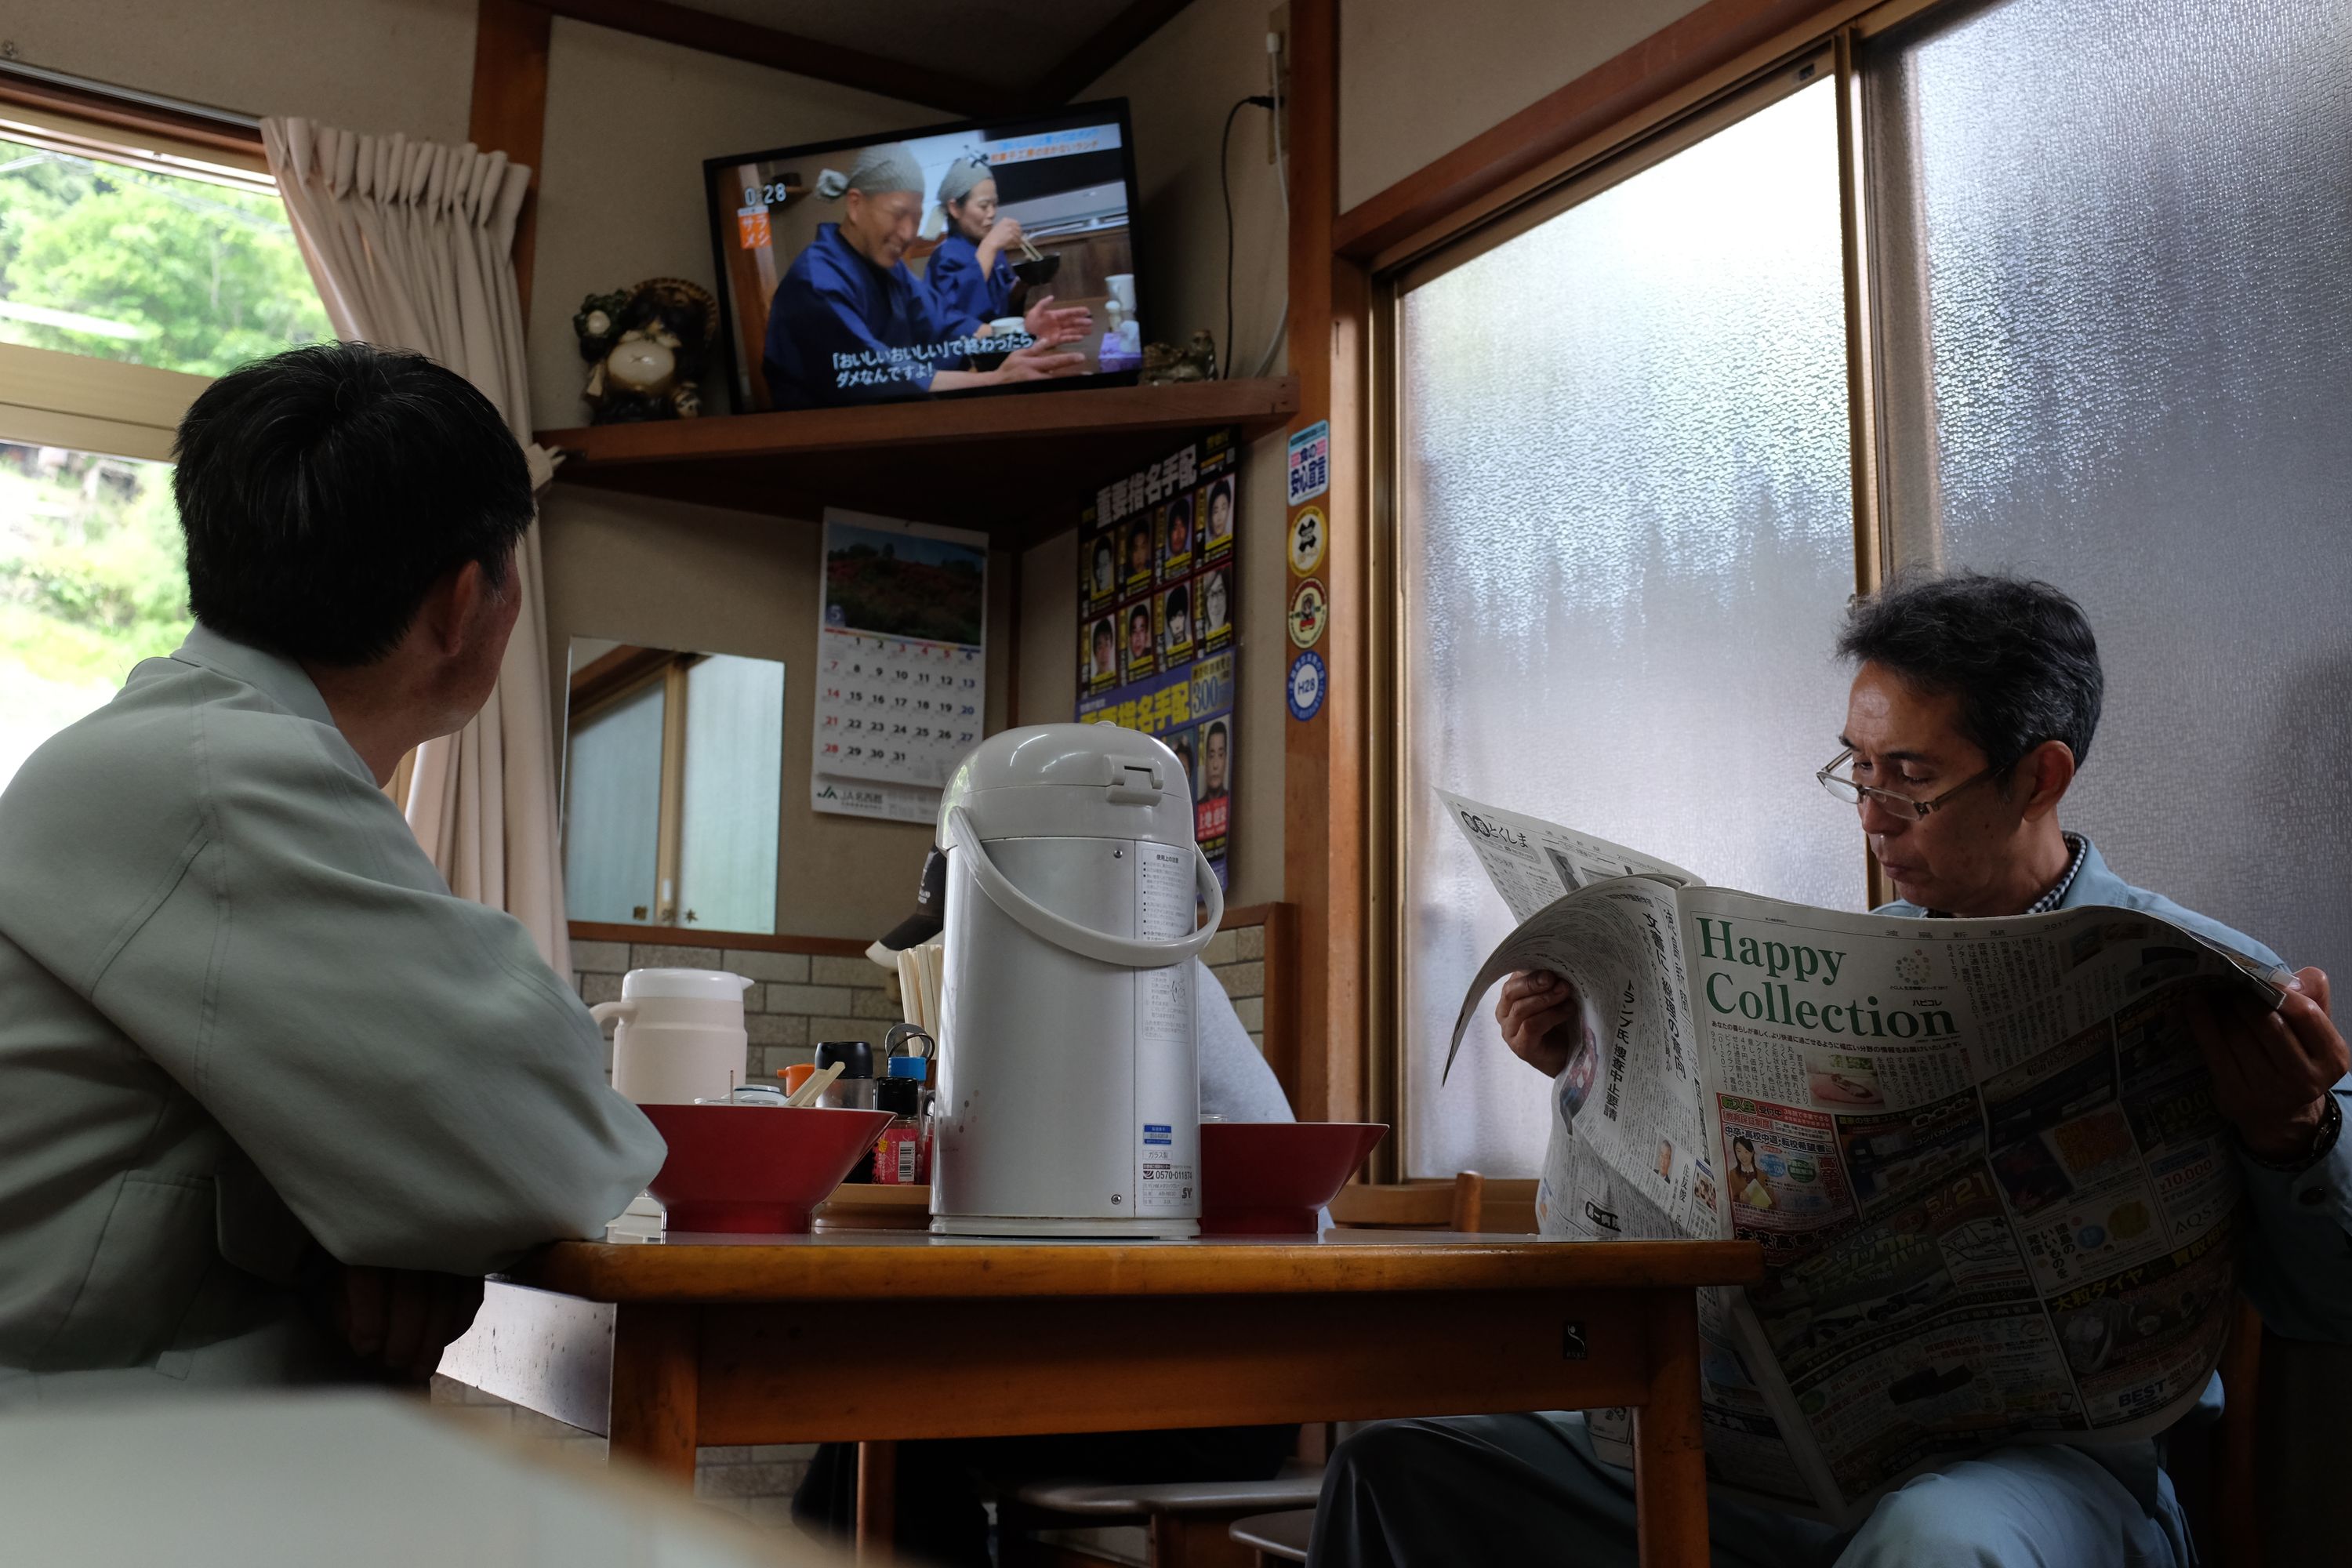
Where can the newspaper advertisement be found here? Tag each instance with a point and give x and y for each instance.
(1996, 1201)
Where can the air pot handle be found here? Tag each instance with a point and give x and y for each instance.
(1067, 934)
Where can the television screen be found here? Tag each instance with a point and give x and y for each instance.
(956, 258)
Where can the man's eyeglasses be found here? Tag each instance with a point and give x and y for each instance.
(1855, 793)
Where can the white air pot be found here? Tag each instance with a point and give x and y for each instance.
(1069, 1093)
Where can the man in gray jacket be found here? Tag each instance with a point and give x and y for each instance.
(272, 1100)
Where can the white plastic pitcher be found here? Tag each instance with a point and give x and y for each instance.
(680, 1035)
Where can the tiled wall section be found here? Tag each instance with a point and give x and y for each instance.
(799, 999)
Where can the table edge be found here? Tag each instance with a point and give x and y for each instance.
(739, 1272)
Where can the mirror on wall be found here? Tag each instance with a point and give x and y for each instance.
(673, 787)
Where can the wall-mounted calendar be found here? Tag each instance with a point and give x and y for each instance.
(1157, 565)
(902, 664)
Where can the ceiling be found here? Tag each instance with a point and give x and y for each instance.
(965, 55)
(1016, 43)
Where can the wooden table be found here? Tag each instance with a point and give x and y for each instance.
(665, 1344)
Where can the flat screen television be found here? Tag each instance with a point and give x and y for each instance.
(921, 264)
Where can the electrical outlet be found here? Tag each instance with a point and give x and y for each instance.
(1277, 135)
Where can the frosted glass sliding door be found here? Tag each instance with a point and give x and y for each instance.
(1627, 541)
(2116, 258)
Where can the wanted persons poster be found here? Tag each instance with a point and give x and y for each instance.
(1996, 1203)
(902, 664)
(1156, 640)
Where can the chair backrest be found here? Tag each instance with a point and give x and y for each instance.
(1458, 1204)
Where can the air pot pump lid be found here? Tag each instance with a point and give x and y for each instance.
(1081, 780)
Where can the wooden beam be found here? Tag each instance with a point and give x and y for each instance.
(783, 51)
(1675, 56)
(1119, 38)
(1323, 756)
(612, 673)
(509, 108)
(241, 144)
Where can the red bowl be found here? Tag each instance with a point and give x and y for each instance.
(756, 1169)
(1272, 1178)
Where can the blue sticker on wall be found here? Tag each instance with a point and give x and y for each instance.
(1307, 684)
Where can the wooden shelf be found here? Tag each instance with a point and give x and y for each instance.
(1018, 466)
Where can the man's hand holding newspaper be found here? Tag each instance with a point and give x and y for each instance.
(1982, 1156)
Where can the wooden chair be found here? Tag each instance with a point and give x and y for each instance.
(2214, 1468)
(1190, 1525)
(1276, 1537)
(1459, 1204)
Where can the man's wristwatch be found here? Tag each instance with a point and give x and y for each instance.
(2323, 1139)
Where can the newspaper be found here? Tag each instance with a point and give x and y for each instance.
(1996, 1202)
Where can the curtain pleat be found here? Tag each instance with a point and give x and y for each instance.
(411, 245)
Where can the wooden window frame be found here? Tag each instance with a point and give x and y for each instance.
(610, 679)
(54, 398)
(1344, 846)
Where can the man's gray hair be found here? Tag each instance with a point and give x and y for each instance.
(2017, 653)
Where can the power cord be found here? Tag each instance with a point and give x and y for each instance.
(1225, 184)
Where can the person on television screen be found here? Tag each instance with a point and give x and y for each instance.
(1221, 513)
(850, 324)
(970, 282)
(1216, 752)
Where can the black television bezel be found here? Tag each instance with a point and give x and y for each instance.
(1096, 110)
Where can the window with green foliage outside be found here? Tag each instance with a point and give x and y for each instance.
(119, 263)
(106, 261)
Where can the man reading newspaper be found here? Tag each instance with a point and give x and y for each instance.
(2002, 1168)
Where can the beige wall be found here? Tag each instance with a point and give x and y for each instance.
(1417, 80)
(1179, 85)
(368, 65)
(629, 121)
(709, 580)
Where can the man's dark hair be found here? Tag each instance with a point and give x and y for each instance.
(2017, 653)
(324, 490)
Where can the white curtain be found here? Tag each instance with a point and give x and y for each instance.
(411, 243)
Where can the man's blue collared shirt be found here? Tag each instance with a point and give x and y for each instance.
(2298, 1253)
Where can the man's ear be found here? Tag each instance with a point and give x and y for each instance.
(2048, 771)
(452, 606)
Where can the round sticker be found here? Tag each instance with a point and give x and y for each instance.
(1307, 686)
(1308, 611)
(1308, 534)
